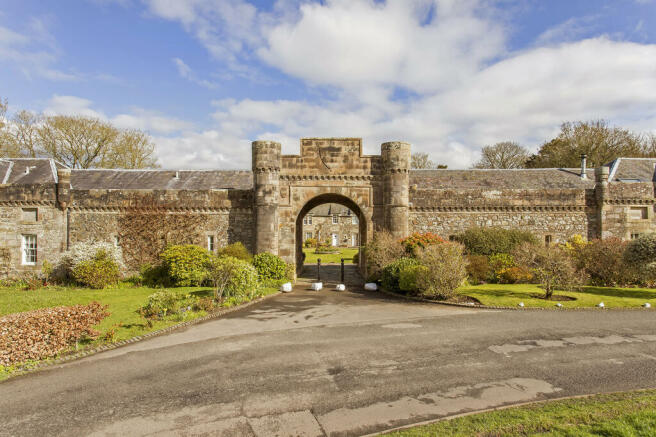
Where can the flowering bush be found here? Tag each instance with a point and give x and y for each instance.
(63, 267)
(499, 263)
(417, 241)
(310, 242)
(160, 304)
(43, 333)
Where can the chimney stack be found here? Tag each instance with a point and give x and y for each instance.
(584, 162)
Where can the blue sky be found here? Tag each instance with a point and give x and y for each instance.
(206, 77)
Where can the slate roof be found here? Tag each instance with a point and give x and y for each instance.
(549, 178)
(161, 179)
(632, 170)
(329, 209)
(28, 171)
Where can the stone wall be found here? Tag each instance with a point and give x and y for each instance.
(345, 229)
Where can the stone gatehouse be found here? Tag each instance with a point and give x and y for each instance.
(45, 208)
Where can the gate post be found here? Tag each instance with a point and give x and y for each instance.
(266, 181)
(396, 196)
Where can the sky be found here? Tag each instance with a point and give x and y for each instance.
(206, 77)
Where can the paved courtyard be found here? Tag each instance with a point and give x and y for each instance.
(333, 363)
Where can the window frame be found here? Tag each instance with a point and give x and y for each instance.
(335, 219)
(29, 250)
(211, 243)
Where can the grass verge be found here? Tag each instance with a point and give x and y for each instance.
(123, 302)
(330, 258)
(510, 295)
(618, 414)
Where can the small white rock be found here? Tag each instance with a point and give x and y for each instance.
(600, 305)
(521, 304)
(559, 305)
(316, 286)
(340, 287)
(286, 287)
(370, 286)
(647, 305)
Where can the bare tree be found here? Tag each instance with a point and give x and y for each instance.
(420, 161)
(75, 141)
(506, 154)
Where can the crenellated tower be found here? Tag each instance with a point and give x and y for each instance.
(396, 197)
(266, 181)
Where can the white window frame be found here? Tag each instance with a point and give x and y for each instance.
(335, 219)
(308, 235)
(210, 243)
(29, 249)
(307, 220)
(354, 220)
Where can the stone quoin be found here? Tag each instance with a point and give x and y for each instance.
(46, 208)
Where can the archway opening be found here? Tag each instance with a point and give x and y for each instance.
(332, 221)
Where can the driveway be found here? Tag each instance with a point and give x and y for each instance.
(331, 363)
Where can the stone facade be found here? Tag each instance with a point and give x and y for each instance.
(333, 223)
(264, 208)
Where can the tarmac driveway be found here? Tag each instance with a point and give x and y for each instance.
(333, 363)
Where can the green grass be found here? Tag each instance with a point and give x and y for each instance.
(330, 258)
(511, 294)
(620, 414)
(123, 303)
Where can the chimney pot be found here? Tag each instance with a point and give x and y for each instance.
(584, 161)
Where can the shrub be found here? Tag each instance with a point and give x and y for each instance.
(310, 242)
(418, 241)
(445, 270)
(186, 265)
(381, 251)
(488, 241)
(575, 245)
(269, 266)
(43, 333)
(236, 250)
(155, 275)
(551, 266)
(391, 272)
(516, 275)
(408, 277)
(62, 268)
(233, 277)
(356, 258)
(642, 250)
(160, 304)
(499, 263)
(98, 272)
(605, 264)
(478, 268)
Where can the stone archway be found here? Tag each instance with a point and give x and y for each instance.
(363, 223)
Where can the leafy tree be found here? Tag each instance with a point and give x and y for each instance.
(506, 154)
(75, 141)
(600, 142)
(420, 161)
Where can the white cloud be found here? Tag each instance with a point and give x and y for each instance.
(72, 105)
(35, 55)
(186, 72)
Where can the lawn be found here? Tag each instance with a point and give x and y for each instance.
(330, 258)
(509, 295)
(620, 414)
(123, 304)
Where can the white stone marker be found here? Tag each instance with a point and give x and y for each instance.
(370, 286)
(559, 305)
(340, 287)
(521, 304)
(647, 305)
(316, 286)
(600, 305)
(286, 287)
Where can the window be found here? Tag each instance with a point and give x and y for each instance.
(638, 213)
(354, 240)
(210, 243)
(348, 212)
(547, 240)
(29, 250)
(635, 236)
(452, 238)
(335, 219)
(30, 214)
(308, 235)
(116, 241)
(307, 220)
(354, 220)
